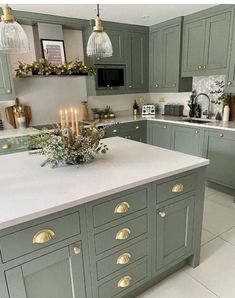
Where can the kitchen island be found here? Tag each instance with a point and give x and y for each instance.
(111, 228)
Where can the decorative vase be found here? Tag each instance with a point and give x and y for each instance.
(85, 114)
(226, 113)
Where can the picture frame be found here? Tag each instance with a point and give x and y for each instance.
(54, 51)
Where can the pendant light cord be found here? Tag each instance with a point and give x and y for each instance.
(98, 10)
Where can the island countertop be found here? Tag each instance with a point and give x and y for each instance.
(29, 191)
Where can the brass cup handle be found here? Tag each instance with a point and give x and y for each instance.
(124, 282)
(6, 146)
(43, 236)
(162, 214)
(124, 259)
(122, 207)
(178, 187)
(77, 250)
(123, 234)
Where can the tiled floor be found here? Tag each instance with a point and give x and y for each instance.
(215, 277)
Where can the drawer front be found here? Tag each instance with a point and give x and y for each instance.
(120, 234)
(176, 187)
(13, 145)
(40, 236)
(120, 286)
(119, 207)
(133, 126)
(121, 259)
(112, 130)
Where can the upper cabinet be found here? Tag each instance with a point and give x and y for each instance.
(230, 76)
(206, 41)
(165, 58)
(136, 61)
(6, 81)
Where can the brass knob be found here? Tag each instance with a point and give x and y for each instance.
(8, 91)
(123, 234)
(124, 282)
(162, 214)
(178, 187)
(199, 67)
(156, 85)
(76, 250)
(43, 236)
(221, 135)
(164, 126)
(114, 130)
(229, 83)
(173, 85)
(137, 127)
(122, 207)
(6, 146)
(196, 131)
(204, 67)
(130, 86)
(124, 259)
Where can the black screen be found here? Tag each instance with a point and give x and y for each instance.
(112, 77)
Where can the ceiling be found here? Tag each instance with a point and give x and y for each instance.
(140, 14)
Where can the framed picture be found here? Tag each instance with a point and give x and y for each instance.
(53, 51)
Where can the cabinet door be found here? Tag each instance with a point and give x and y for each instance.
(193, 45)
(117, 40)
(217, 42)
(6, 83)
(56, 275)
(155, 60)
(230, 75)
(174, 231)
(171, 58)
(220, 150)
(159, 134)
(137, 60)
(187, 140)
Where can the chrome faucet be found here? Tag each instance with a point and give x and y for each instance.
(208, 112)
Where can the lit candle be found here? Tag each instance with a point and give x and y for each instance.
(76, 122)
(72, 120)
(66, 118)
(61, 120)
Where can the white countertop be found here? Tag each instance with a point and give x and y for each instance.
(12, 132)
(29, 191)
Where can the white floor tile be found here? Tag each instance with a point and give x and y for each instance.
(209, 191)
(222, 199)
(206, 236)
(217, 218)
(217, 268)
(229, 236)
(178, 285)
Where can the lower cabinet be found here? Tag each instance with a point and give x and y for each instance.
(187, 140)
(159, 134)
(219, 148)
(55, 275)
(174, 226)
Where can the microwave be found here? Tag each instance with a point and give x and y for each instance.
(110, 76)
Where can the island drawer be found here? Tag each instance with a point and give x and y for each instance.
(175, 187)
(119, 286)
(119, 207)
(39, 236)
(121, 259)
(7, 145)
(120, 234)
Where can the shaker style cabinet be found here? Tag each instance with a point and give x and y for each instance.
(230, 75)
(206, 41)
(55, 275)
(159, 134)
(165, 58)
(6, 82)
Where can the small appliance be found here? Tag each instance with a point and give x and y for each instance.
(148, 110)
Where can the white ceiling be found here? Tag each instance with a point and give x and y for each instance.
(139, 14)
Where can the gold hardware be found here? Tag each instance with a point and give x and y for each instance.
(130, 86)
(165, 126)
(124, 282)
(178, 187)
(156, 85)
(137, 127)
(43, 236)
(221, 135)
(76, 250)
(124, 259)
(229, 83)
(7, 16)
(162, 214)
(204, 67)
(123, 234)
(199, 67)
(6, 146)
(114, 130)
(196, 131)
(122, 207)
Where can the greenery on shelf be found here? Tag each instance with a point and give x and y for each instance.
(45, 68)
(222, 97)
(63, 147)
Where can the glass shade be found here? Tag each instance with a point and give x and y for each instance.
(13, 38)
(99, 45)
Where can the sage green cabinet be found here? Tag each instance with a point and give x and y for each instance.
(206, 41)
(6, 82)
(136, 51)
(159, 134)
(219, 148)
(230, 75)
(55, 275)
(165, 58)
(187, 140)
(174, 226)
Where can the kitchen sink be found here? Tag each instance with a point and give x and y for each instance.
(197, 120)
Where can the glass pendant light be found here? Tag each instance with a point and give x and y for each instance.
(12, 36)
(99, 44)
